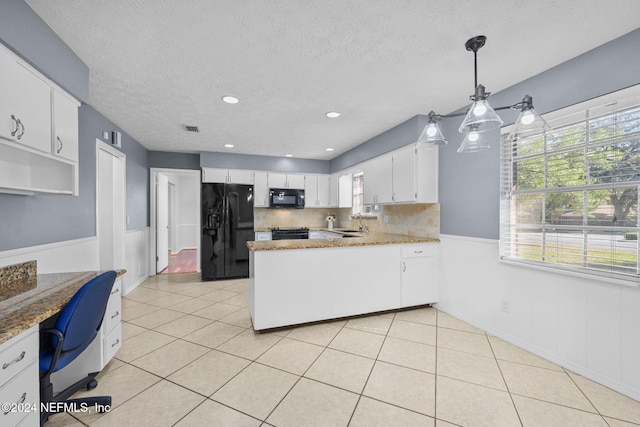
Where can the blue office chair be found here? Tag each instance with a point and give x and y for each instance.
(75, 328)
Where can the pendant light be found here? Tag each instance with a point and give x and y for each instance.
(481, 117)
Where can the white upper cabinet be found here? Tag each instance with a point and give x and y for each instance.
(286, 180)
(25, 105)
(228, 176)
(333, 190)
(345, 190)
(38, 132)
(317, 191)
(404, 175)
(378, 187)
(65, 126)
(260, 190)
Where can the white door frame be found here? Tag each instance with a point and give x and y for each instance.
(153, 208)
(119, 208)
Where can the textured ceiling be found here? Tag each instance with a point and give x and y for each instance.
(156, 65)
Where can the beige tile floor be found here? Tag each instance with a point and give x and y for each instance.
(191, 358)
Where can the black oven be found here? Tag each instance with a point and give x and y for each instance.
(286, 198)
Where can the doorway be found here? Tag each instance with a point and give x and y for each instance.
(175, 221)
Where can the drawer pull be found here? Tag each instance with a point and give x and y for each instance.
(417, 252)
(115, 315)
(115, 291)
(16, 360)
(116, 343)
(19, 402)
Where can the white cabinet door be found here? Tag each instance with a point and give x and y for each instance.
(323, 193)
(240, 176)
(65, 126)
(333, 190)
(27, 98)
(427, 174)
(215, 175)
(378, 180)
(418, 266)
(345, 191)
(310, 191)
(277, 180)
(295, 180)
(260, 190)
(404, 176)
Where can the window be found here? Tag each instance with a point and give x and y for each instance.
(569, 198)
(358, 193)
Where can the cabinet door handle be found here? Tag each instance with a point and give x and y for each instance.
(16, 360)
(14, 120)
(116, 343)
(20, 401)
(115, 291)
(417, 252)
(22, 126)
(115, 315)
(404, 266)
(59, 148)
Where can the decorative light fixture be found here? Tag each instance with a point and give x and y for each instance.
(481, 117)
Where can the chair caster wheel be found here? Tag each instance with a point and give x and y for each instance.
(92, 384)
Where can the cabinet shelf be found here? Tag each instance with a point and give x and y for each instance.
(27, 171)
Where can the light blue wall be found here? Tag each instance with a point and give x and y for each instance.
(34, 220)
(266, 163)
(169, 160)
(469, 183)
(24, 32)
(403, 134)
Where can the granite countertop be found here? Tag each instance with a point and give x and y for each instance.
(45, 296)
(356, 239)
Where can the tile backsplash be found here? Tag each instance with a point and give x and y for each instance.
(421, 219)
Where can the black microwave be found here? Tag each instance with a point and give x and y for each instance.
(286, 198)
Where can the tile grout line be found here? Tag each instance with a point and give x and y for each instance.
(504, 379)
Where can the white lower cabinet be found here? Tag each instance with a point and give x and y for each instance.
(19, 379)
(338, 282)
(418, 265)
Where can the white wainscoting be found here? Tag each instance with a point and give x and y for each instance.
(588, 326)
(69, 255)
(137, 258)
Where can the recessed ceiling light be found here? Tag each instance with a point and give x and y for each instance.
(333, 114)
(328, 149)
(288, 155)
(230, 99)
(228, 145)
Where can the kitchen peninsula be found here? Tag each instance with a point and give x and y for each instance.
(301, 281)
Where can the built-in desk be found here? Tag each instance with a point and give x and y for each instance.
(26, 300)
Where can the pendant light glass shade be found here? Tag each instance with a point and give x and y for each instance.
(432, 134)
(529, 123)
(481, 117)
(473, 142)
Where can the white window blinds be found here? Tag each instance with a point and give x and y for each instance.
(569, 199)
(358, 193)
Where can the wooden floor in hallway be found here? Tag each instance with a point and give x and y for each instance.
(185, 261)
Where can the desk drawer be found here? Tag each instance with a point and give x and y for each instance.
(23, 392)
(18, 353)
(112, 343)
(113, 315)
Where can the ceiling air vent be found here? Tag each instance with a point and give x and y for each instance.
(191, 128)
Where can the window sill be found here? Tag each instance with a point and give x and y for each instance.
(630, 282)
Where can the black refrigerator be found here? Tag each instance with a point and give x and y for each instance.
(227, 225)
